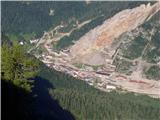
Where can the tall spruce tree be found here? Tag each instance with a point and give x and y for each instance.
(17, 66)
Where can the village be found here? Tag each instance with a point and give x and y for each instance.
(105, 78)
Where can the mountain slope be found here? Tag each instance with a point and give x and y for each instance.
(121, 52)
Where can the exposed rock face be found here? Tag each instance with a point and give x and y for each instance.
(102, 36)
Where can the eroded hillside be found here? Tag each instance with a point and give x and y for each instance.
(122, 53)
(102, 36)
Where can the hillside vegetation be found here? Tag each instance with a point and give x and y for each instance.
(29, 19)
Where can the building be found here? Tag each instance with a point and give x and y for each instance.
(34, 41)
(110, 87)
(21, 43)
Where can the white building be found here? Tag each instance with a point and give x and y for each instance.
(21, 43)
(34, 41)
(110, 87)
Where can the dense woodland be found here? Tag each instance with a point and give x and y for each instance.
(88, 103)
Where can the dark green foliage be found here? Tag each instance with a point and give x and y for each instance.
(101, 106)
(153, 73)
(152, 55)
(135, 49)
(148, 25)
(123, 66)
(25, 17)
(88, 103)
(156, 38)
